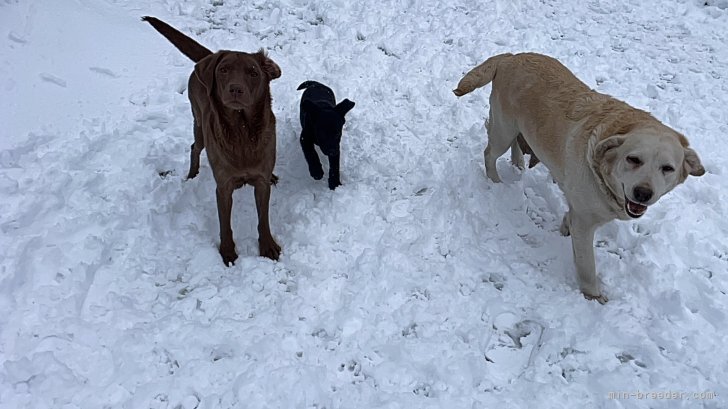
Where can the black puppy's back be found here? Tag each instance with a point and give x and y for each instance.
(317, 92)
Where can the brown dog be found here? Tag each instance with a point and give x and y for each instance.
(231, 104)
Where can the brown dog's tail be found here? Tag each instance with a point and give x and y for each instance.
(189, 47)
(480, 75)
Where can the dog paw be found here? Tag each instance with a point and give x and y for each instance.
(564, 229)
(493, 176)
(228, 255)
(459, 92)
(333, 184)
(317, 174)
(269, 248)
(273, 179)
(601, 299)
(519, 163)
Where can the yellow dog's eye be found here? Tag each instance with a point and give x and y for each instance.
(667, 169)
(633, 160)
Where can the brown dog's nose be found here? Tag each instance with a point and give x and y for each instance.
(236, 89)
(642, 194)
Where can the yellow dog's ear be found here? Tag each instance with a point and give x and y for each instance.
(602, 149)
(205, 71)
(691, 164)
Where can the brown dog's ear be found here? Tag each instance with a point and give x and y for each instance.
(271, 69)
(205, 71)
(691, 164)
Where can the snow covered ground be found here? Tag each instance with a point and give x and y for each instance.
(417, 284)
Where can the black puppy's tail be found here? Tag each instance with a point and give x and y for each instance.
(307, 84)
(189, 47)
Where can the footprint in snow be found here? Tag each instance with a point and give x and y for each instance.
(514, 346)
(53, 79)
(17, 38)
(104, 71)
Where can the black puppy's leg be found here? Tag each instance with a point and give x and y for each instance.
(334, 180)
(309, 152)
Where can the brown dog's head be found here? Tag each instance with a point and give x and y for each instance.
(644, 163)
(235, 78)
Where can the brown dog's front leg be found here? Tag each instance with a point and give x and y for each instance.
(196, 149)
(224, 211)
(266, 244)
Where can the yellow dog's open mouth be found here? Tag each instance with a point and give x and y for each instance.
(633, 209)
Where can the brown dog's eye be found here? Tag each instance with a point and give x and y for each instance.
(667, 169)
(253, 73)
(633, 160)
(223, 70)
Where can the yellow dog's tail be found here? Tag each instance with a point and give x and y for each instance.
(480, 76)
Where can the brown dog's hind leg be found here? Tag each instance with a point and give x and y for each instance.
(224, 211)
(196, 149)
(266, 244)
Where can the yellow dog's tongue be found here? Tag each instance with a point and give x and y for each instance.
(635, 208)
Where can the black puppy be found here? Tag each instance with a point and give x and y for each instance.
(322, 120)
